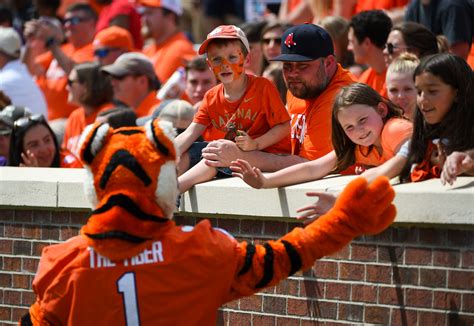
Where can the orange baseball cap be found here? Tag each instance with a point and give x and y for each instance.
(173, 5)
(225, 31)
(113, 37)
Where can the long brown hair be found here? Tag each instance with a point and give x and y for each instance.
(356, 93)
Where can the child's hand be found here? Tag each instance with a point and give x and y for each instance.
(29, 159)
(251, 175)
(245, 142)
(456, 163)
(312, 212)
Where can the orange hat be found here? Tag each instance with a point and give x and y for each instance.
(225, 31)
(173, 5)
(113, 37)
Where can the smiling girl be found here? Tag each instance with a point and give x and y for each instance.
(367, 130)
(444, 121)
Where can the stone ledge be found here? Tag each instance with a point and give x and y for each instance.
(427, 202)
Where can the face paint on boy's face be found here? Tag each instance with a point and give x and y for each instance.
(224, 68)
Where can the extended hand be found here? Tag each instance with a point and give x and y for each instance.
(251, 175)
(456, 163)
(312, 212)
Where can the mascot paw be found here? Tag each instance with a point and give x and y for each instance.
(368, 207)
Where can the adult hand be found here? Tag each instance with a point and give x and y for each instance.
(220, 153)
(251, 175)
(323, 205)
(456, 163)
(245, 142)
(29, 159)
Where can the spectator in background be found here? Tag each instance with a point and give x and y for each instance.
(6, 16)
(451, 18)
(47, 8)
(171, 48)
(52, 67)
(134, 82)
(92, 91)
(33, 144)
(121, 13)
(367, 36)
(8, 115)
(410, 37)
(338, 28)
(253, 31)
(110, 43)
(15, 80)
(199, 79)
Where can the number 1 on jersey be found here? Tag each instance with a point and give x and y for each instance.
(127, 287)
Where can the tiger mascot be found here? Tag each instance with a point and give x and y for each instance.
(131, 265)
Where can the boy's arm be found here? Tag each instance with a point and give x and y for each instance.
(272, 136)
(360, 209)
(189, 136)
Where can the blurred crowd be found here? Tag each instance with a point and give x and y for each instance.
(65, 64)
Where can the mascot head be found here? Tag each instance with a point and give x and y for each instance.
(131, 182)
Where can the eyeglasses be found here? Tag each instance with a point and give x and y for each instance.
(391, 48)
(75, 20)
(27, 121)
(276, 40)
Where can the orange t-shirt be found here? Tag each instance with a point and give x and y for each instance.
(394, 133)
(170, 55)
(256, 112)
(53, 82)
(147, 106)
(470, 57)
(76, 123)
(311, 119)
(374, 80)
(363, 5)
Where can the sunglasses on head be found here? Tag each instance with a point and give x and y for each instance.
(27, 121)
(276, 40)
(74, 20)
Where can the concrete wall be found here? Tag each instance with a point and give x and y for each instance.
(418, 272)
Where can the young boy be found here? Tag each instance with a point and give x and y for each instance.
(243, 108)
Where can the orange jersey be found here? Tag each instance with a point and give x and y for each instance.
(363, 5)
(170, 55)
(256, 112)
(147, 106)
(374, 80)
(311, 119)
(395, 132)
(53, 82)
(76, 123)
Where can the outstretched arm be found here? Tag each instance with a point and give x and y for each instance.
(362, 208)
(457, 163)
(304, 172)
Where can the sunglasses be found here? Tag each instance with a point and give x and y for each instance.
(103, 52)
(27, 121)
(276, 40)
(74, 20)
(391, 48)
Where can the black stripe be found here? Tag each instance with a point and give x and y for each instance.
(267, 266)
(248, 259)
(117, 235)
(88, 157)
(130, 206)
(162, 148)
(123, 157)
(128, 132)
(294, 256)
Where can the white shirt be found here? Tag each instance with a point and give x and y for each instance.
(17, 83)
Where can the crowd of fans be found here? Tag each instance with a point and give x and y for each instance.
(351, 92)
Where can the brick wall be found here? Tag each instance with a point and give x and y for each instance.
(406, 276)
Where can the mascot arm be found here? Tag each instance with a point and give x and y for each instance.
(360, 209)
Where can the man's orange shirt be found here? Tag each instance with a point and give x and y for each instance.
(75, 125)
(256, 112)
(374, 80)
(147, 106)
(395, 132)
(53, 82)
(311, 119)
(170, 55)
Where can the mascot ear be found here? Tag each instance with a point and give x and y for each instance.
(161, 134)
(92, 140)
